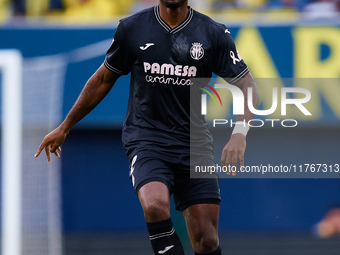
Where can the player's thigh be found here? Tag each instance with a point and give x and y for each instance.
(155, 200)
(202, 217)
(202, 225)
(153, 181)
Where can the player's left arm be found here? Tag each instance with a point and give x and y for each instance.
(236, 146)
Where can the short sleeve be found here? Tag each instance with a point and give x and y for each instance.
(118, 57)
(228, 63)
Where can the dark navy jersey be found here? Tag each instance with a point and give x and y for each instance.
(164, 62)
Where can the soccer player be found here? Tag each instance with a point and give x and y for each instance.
(165, 48)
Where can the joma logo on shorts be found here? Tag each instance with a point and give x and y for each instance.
(169, 69)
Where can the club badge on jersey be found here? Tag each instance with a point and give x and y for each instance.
(197, 51)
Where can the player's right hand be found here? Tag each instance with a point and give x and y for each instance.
(51, 143)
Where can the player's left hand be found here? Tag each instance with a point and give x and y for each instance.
(234, 150)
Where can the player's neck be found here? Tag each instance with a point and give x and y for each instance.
(173, 17)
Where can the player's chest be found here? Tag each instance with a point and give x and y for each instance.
(176, 49)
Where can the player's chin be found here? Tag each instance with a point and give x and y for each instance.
(173, 4)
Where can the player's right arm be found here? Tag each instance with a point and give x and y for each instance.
(94, 91)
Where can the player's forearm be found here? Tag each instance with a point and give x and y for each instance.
(244, 84)
(96, 88)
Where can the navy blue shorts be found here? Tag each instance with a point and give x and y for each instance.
(173, 169)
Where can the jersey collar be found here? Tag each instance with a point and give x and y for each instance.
(167, 27)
